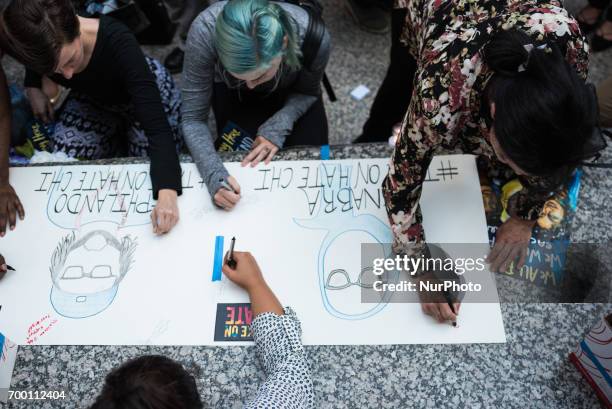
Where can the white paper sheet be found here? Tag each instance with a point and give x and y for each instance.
(300, 219)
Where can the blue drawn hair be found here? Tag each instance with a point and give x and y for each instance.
(249, 34)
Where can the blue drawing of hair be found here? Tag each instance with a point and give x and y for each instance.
(337, 223)
(249, 34)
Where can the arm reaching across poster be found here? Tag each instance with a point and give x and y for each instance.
(277, 334)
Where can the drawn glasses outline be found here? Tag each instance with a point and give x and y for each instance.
(336, 224)
(97, 272)
(347, 279)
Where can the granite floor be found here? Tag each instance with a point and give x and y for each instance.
(530, 371)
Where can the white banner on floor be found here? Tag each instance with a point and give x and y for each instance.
(90, 271)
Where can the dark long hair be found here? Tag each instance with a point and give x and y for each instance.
(545, 113)
(149, 382)
(34, 31)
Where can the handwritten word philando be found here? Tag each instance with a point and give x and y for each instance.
(103, 191)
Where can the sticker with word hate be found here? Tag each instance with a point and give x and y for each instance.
(233, 322)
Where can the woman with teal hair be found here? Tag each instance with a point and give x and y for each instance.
(243, 58)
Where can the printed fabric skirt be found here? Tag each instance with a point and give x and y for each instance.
(86, 129)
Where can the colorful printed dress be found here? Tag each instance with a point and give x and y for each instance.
(446, 39)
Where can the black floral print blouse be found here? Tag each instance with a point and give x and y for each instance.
(446, 38)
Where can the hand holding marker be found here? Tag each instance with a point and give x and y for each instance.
(228, 194)
(4, 267)
(248, 276)
(442, 305)
(231, 262)
(449, 301)
(227, 186)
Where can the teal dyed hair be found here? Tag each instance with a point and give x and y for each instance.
(249, 35)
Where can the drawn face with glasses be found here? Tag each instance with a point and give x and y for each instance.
(345, 280)
(86, 272)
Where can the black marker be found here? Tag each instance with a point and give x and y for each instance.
(226, 186)
(10, 268)
(449, 301)
(230, 259)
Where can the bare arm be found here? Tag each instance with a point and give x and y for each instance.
(264, 300)
(248, 276)
(10, 205)
(277, 334)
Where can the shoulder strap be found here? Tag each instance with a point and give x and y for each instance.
(313, 38)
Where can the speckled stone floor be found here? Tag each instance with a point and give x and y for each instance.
(530, 371)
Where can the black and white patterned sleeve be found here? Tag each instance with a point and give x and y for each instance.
(279, 348)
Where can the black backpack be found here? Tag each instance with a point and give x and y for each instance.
(313, 38)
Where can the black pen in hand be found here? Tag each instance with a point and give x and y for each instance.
(449, 301)
(4, 267)
(230, 258)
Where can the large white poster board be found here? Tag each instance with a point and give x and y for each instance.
(90, 271)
